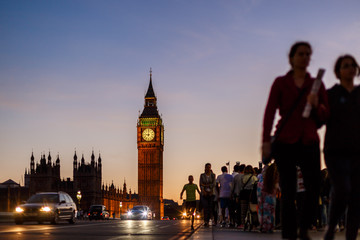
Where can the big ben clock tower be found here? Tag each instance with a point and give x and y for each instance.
(150, 142)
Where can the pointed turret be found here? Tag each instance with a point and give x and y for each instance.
(150, 108)
(124, 188)
(99, 161)
(150, 94)
(92, 159)
(58, 160)
(32, 163)
(49, 159)
(75, 161)
(82, 160)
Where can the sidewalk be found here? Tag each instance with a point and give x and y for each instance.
(217, 233)
(6, 217)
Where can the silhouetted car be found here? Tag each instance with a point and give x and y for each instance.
(47, 206)
(139, 212)
(98, 212)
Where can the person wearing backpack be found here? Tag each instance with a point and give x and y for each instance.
(246, 184)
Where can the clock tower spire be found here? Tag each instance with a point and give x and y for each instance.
(150, 143)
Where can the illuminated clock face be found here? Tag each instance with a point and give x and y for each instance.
(148, 134)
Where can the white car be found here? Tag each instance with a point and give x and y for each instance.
(140, 212)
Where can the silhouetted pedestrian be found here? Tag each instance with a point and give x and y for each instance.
(342, 148)
(268, 186)
(190, 201)
(297, 141)
(207, 186)
(224, 183)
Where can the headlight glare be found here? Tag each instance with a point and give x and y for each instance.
(129, 213)
(19, 210)
(45, 209)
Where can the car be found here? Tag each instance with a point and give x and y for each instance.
(165, 218)
(98, 212)
(47, 206)
(139, 212)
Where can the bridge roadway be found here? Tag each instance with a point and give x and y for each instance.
(131, 229)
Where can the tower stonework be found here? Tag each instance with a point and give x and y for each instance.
(150, 143)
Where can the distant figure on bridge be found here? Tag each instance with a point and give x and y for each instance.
(342, 148)
(297, 142)
(224, 184)
(207, 186)
(190, 202)
(267, 188)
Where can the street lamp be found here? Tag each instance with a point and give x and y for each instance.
(120, 208)
(78, 196)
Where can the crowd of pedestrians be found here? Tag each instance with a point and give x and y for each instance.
(309, 197)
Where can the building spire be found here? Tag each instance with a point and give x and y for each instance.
(49, 158)
(32, 162)
(58, 160)
(150, 92)
(150, 108)
(92, 158)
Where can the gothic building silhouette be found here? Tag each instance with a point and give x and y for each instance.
(44, 176)
(87, 177)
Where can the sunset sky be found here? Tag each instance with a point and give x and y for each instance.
(73, 75)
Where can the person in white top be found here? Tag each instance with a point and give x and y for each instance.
(224, 184)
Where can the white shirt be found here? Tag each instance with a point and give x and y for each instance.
(225, 181)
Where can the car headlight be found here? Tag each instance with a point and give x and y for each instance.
(19, 210)
(184, 214)
(45, 209)
(144, 214)
(129, 213)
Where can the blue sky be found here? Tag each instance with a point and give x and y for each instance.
(73, 74)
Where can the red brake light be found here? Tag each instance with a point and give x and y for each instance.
(100, 213)
(88, 214)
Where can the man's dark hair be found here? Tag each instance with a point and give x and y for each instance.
(242, 167)
(224, 169)
(236, 168)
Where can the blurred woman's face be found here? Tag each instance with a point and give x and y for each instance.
(301, 58)
(347, 69)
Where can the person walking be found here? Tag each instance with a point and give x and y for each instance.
(236, 194)
(298, 142)
(342, 148)
(224, 183)
(233, 205)
(247, 182)
(267, 188)
(190, 202)
(207, 186)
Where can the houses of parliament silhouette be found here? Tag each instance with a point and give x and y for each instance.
(45, 176)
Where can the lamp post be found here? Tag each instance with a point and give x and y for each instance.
(78, 196)
(120, 208)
